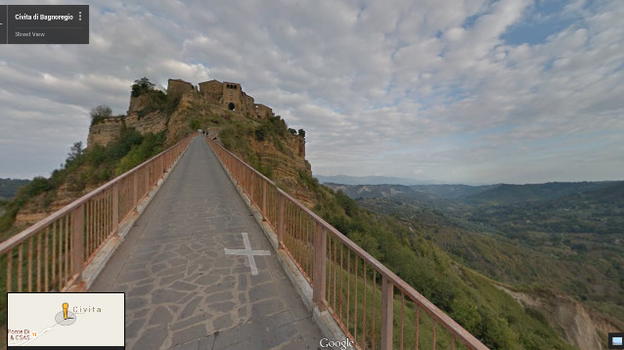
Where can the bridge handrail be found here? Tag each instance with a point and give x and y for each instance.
(60, 245)
(318, 261)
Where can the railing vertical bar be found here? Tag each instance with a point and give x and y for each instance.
(38, 236)
(402, 319)
(78, 238)
(87, 218)
(341, 279)
(46, 262)
(67, 247)
(365, 308)
(264, 198)
(9, 270)
(320, 267)
(375, 308)
(19, 267)
(54, 229)
(60, 256)
(30, 258)
(97, 221)
(434, 342)
(335, 255)
(387, 313)
(348, 287)
(280, 226)
(417, 329)
(355, 303)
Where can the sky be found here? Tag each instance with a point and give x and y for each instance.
(447, 91)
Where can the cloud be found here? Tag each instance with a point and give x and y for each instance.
(432, 88)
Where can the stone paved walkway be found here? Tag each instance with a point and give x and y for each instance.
(182, 291)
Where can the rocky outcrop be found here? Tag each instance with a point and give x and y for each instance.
(138, 103)
(105, 130)
(581, 326)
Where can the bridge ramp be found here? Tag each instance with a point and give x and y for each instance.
(182, 291)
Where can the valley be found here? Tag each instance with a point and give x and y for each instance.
(558, 243)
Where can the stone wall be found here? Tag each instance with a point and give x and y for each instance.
(176, 87)
(154, 122)
(212, 90)
(262, 111)
(138, 103)
(105, 131)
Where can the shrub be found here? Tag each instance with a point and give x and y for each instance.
(260, 134)
(99, 113)
(141, 86)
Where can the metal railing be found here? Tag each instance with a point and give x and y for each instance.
(51, 254)
(374, 307)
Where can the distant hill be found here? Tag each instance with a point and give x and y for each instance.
(369, 180)
(9, 187)
(508, 194)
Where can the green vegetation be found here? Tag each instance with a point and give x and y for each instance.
(82, 169)
(9, 187)
(236, 136)
(471, 299)
(141, 86)
(558, 237)
(155, 100)
(99, 113)
(566, 240)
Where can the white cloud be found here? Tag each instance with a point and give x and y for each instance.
(388, 86)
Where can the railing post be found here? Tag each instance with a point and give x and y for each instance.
(77, 239)
(319, 267)
(387, 292)
(148, 177)
(135, 188)
(116, 207)
(281, 220)
(264, 198)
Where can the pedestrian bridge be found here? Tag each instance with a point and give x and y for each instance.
(221, 258)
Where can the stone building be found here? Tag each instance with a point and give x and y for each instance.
(177, 87)
(231, 96)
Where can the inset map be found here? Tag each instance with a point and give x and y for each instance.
(66, 319)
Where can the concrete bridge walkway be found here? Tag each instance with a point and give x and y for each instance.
(182, 291)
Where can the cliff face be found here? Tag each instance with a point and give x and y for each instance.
(579, 325)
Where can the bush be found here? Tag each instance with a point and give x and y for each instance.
(99, 113)
(141, 86)
(260, 134)
(151, 145)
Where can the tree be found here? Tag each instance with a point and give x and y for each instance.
(100, 112)
(75, 151)
(141, 86)
(301, 132)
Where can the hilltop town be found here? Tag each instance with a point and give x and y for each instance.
(222, 108)
(219, 98)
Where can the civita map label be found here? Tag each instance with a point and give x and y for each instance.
(65, 319)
